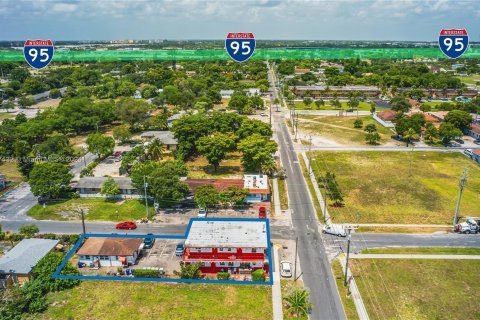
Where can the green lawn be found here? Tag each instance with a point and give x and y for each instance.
(419, 289)
(142, 300)
(400, 187)
(10, 170)
(282, 190)
(341, 130)
(299, 105)
(6, 115)
(347, 301)
(473, 79)
(388, 229)
(199, 168)
(434, 104)
(421, 250)
(94, 209)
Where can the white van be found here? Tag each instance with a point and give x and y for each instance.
(335, 229)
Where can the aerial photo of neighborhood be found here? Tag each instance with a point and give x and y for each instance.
(244, 160)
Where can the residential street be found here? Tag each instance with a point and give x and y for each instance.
(316, 271)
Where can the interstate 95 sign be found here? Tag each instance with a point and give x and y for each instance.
(453, 42)
(240, 45)
(38, 53)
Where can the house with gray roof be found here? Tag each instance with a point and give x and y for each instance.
(89, 187)
(16, 265)
(166, 137)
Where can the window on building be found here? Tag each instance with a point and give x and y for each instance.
(254, 250)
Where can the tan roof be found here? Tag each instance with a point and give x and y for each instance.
(109, 246)
(475, 128)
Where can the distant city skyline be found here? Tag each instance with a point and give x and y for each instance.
(380, 20)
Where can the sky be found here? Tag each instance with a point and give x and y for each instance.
(411, 20)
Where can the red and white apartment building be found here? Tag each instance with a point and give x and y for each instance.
(237, 247)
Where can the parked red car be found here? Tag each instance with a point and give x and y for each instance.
(127, 225)
(262, 212)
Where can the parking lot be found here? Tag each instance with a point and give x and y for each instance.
(161, 255)
(287, 252)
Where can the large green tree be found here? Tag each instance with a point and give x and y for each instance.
(132, 111)
(122, 133)
(49, 179)
(206, 196)
(256, 150)
(215, 147)
(110, 188)
(460, 119)
(100, 145)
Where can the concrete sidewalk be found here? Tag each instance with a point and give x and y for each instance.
(321, 201)
(415, 256)
(357, 298)
(276, 288)
(276, 198)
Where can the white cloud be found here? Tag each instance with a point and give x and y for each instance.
(64, 7)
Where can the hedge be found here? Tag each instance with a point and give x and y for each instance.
(145, 273)
(223, 276)
(258, 275)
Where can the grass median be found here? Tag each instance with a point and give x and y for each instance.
(421, 250)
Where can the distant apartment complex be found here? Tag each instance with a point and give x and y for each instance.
(324, 91)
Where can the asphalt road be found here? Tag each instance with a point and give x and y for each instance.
(316, 270)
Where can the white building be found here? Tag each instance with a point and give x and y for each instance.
(226, 94)
(253, 92)
(257, 186)
(109, 252)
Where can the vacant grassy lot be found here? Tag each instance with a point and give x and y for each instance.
(400, 187)
(94, 209)
(419, 289)
(421, 250)
(10, 170)
(299, 105)
(470, 79)
(230, 167)
(389, 229)
(6, 115)
(341, 130)
(141, 300)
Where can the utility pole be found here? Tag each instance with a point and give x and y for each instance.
(271, 106)
(296, 126)
(348, 256)
(463, 180)
(145, 185)
(83, 221)
(295, 268)
(309, 156)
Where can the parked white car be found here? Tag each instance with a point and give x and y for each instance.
(202, 213)
(285, 269)
(335, 229)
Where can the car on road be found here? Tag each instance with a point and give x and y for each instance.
(179, 249)
(148, 242)
(126, 225)
(262, 212)
(263, 114)
(202, 213)
(468, 152)
(335, 229)
(476, 141)
(285, 269)
(453, 144)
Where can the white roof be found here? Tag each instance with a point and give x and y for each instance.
(255, 181)
(233, 234)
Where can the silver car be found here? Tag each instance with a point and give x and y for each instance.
(285, 269)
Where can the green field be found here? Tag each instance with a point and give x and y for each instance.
(141, 300)
(419, 289)
(400, 187)
(421, 250)
(299, 105)
(341, 130)
(6, 115)
(470, 79)
(94, 209)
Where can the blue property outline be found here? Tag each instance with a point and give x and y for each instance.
(57, 274)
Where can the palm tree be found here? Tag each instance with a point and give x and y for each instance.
(298, 302)
(269, 167)
(410, 135)
(155, 149)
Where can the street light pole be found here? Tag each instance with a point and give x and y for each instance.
(463, 180)
(348, 256)
(145, 185)
(309, 156)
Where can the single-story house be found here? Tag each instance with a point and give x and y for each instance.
(474, 131)
(439, 115)
(226, 94)
(166, 137)
(3, 182)
(253, 92)
(301, 71)
(89, 187)
(385, 118)
(17, 264)
(257, 186)
(174, 118)
(109, 252)
(46, 95)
